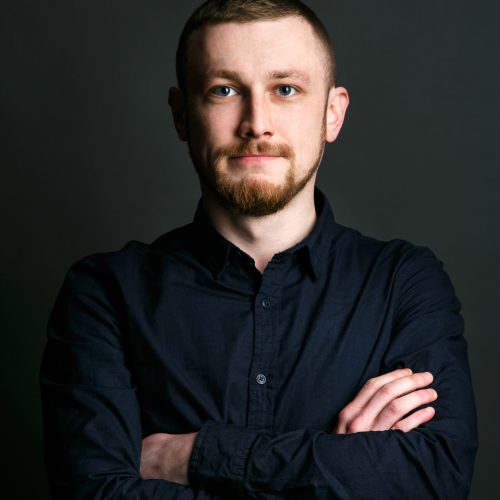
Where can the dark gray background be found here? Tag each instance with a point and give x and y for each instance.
(89, 160)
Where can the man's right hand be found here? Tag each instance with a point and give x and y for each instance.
(384, 401)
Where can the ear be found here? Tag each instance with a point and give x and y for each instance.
(177, 105)
(338, 100)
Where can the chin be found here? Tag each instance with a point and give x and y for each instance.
(261, 183)
(254, 197)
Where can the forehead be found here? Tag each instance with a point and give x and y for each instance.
(256, 47)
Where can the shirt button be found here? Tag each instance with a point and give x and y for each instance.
(266, 303)
(261, 379)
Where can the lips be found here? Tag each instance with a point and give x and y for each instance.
(255, 156)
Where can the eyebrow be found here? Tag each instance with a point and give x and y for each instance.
(273, 75)
(221, 73)
(283, 75)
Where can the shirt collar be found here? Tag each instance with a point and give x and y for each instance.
(214, 249)
(315, 245)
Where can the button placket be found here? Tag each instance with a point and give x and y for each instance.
(266, 308)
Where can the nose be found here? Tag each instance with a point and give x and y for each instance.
(256, 121)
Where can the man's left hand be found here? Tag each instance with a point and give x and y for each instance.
(167, 456)
(384, 403)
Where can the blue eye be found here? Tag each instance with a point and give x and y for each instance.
(286, 90)
(223, 91)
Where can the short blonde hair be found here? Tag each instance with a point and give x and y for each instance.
(243, 11)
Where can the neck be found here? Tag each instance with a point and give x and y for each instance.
(263, 237)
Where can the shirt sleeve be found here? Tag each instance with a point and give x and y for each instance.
(92, 424)
(433, 461)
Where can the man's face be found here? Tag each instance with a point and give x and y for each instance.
(256, 111)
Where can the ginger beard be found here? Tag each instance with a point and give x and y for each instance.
(256, 198)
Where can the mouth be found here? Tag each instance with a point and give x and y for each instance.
(256, 160)
(254, 156)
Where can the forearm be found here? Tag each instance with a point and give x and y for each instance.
(91, 448)
(432, 460)
(91, 416)
(314, 464)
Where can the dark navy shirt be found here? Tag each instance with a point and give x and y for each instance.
(186, 335)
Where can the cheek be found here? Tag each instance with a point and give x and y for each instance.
(211, 128)
(304, 119)
(305, 132)
(308, 141)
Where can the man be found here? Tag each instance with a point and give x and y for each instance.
(264, 350)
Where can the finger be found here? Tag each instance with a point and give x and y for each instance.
(374, 384)
(398, 408)
(415, 419)
(365, 394)
(394, 390)
(363, 421)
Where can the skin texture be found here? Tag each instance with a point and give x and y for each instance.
(246, 127)
(384, 401)
(279, 106)
(166, 456)
(253, 63)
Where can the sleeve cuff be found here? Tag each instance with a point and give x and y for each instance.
(220, 455)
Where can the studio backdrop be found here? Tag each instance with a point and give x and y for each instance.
(90, 160)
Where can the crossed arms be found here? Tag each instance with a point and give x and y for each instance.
(384, 403)
(94, 438)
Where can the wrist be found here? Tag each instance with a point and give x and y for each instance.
(167, 456)
(178, 450)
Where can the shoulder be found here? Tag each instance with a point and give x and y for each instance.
(123, 267)
(404, 268)
(401, 255)
(136, 252)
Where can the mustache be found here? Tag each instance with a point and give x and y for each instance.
(255, 148)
